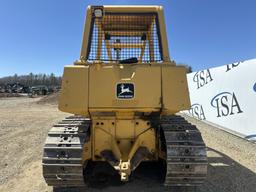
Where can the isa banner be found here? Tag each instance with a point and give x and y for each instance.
(226, 96)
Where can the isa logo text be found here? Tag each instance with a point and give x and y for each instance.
(226, 104)
(201, 78)
(197, 111)
(233, 65)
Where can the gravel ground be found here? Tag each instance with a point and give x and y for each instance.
(232, 160)
(24, 125)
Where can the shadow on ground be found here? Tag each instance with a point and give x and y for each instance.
(224, 175)
(227, 175)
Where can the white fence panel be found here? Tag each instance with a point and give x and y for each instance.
(226, 96)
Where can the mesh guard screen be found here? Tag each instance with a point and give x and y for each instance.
(118, 37)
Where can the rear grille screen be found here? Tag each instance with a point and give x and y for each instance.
(118, 37)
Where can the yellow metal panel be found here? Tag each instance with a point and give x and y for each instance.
(131, 8)
(124, 129)
(74, 92)
(164, 41)
(147, 139)
(87, 26)
(87, 152)
(103, 81)
(102, 138)
(175, 89)
(121, 136)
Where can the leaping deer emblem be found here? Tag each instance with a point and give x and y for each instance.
(124, 90)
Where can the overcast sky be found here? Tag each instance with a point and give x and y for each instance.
(41, 36)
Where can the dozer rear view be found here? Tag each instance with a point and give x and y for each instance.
(124, 92)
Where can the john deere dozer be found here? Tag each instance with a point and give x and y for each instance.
(124, 92)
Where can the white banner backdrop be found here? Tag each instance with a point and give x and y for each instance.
(226, 96)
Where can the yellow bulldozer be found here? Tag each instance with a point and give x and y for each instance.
(124, 92)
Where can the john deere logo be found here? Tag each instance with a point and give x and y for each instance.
(125, 91)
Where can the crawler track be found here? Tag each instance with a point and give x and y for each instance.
(62, 159)
(186, 159)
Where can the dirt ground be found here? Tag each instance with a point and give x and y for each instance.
(24, 123)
